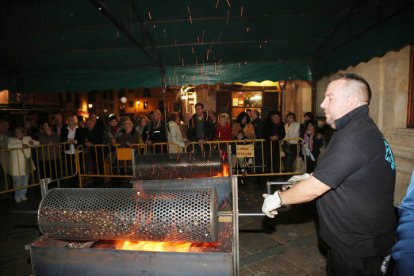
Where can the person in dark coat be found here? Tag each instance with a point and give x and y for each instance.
(198, 129)
(311, 145)
(74, 136)
(94, 136)
(274, 132)
(129, 135)
(49, 153)
(258, 146)
(157, 133)
(308, 116)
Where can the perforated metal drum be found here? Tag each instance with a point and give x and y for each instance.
(114, 214)
(182, 165)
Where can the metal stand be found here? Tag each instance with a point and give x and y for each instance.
(269, 184)
(44, 186)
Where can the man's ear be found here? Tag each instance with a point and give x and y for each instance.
(354, 100)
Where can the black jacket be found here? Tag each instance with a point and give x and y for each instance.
(79, 136)
(157, 133)
(208, 128)
(258, 128)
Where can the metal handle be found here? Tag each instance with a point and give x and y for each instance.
(229, 213)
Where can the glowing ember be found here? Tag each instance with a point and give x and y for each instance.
(163, 246)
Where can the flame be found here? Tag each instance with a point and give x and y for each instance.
(226, 169)
(162, 246)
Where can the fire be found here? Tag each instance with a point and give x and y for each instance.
(162, 246)
(225, 172)
(226, 169)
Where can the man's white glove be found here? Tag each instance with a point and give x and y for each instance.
(271, 203)
(297, 178)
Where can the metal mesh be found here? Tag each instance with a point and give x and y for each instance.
(183, 165)
(114, 214)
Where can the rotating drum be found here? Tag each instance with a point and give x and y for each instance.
(130, 214)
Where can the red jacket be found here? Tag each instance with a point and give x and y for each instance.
(224, 133)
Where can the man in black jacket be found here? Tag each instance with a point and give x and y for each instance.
(199, 126)
(353, 181)
(94, 135)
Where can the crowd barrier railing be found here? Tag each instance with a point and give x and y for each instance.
(255, 157)
(114, 160)
(56, 162)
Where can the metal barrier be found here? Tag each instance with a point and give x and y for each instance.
(256, 157)
(250, 157)
(115, 161)
(62, 161)
(54, 161)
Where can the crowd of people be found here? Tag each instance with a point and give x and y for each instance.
(177, 130)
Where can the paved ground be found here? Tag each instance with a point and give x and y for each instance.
(286, 245)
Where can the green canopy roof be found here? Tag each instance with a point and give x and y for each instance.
(69, 45)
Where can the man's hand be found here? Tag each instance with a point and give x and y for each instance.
(270, 204)
(297, 178)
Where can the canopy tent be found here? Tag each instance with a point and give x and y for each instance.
(72, 45)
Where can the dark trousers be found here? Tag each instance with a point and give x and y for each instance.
(272, 154)
(310, 165)
(404, 266)
(343, 265)
(258, 159)
(290, 151)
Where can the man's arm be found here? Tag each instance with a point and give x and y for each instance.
(304, 191)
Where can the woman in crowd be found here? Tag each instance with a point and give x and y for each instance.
(156, 133)
(290, 145)
(142, 129)
(129, 135)
(21, 164)
(312, 142)
(308, 116)
(224, 130)
(175, 138)
(223, 133)
(243, 123)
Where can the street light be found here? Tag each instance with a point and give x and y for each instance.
(122, 105)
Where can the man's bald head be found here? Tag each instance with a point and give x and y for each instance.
(355, 85)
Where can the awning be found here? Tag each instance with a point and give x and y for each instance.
(77, 45)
